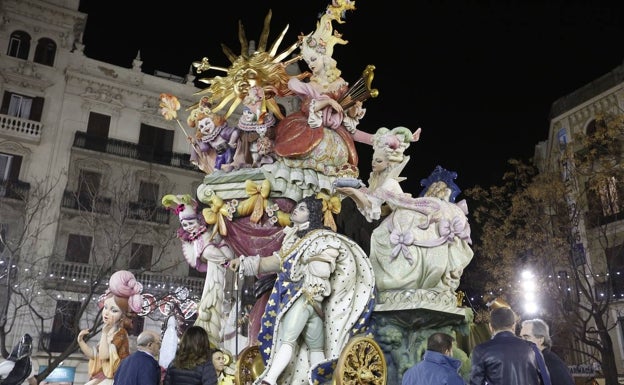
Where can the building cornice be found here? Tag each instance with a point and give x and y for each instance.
(64, 24)
(23, 74)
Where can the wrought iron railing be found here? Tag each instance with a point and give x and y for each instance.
(132, 150)
(79, 275)
(148, 211)
(86, 202)
(141, 211)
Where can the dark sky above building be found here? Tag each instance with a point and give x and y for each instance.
(478, 76)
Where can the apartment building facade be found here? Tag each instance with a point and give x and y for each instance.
(85, 158)
(594, 194)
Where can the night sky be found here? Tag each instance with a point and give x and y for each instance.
(479, 77)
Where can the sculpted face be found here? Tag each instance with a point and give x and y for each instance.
(111, 313)
(313, 62)
(190, 225)
(300, 213)
(206, 126)
(248, 116)
(380, 162)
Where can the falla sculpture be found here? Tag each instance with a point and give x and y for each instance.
(271, 160)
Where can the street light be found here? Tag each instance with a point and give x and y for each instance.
(530, 297)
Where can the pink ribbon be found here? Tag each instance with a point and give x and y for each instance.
(401, 241)
(178, 209)
(455, 228)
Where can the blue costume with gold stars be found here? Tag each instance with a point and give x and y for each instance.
(344, 312)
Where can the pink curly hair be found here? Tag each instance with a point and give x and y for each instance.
(127, 291)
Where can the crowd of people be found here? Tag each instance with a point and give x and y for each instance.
(505, 359)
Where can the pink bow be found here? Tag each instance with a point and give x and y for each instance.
(401, 241)
(455, 228)
(179, 209)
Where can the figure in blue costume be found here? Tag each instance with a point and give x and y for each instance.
(323, 295)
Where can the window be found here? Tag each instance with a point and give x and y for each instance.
(615, 264)
(97, 131)
(19, 106)
(9, 166)
(22, 106)
(19, 45)
(140, 257)
(89, 182)
(608, 194)
(63, 327)
(604, 200)
(78, 248)
(98, 125)
(45, 52)
(155, 144)
(148, 193)
(88, 188)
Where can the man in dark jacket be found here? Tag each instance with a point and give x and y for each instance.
(537, 331)
(141, 367)
(438, 365)
(506, 359)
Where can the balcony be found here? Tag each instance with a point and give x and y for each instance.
(132, 150)
(77, 277)
(140, 211)
(14, 189)
(25, 129)
(149, 212)
(86, 202)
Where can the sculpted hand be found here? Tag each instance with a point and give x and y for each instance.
(82, 334)
(356, 111)
(234, 264)
(320, 104)
(348, 191)
(335, 105)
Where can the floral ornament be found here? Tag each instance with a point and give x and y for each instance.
(271, 211)
(232, 207)
(276, 215)
(169, 106)
(331, 205)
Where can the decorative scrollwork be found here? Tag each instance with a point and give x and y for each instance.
(361, 363)
(249, 365)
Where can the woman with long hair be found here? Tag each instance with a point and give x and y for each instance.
(192, 364)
